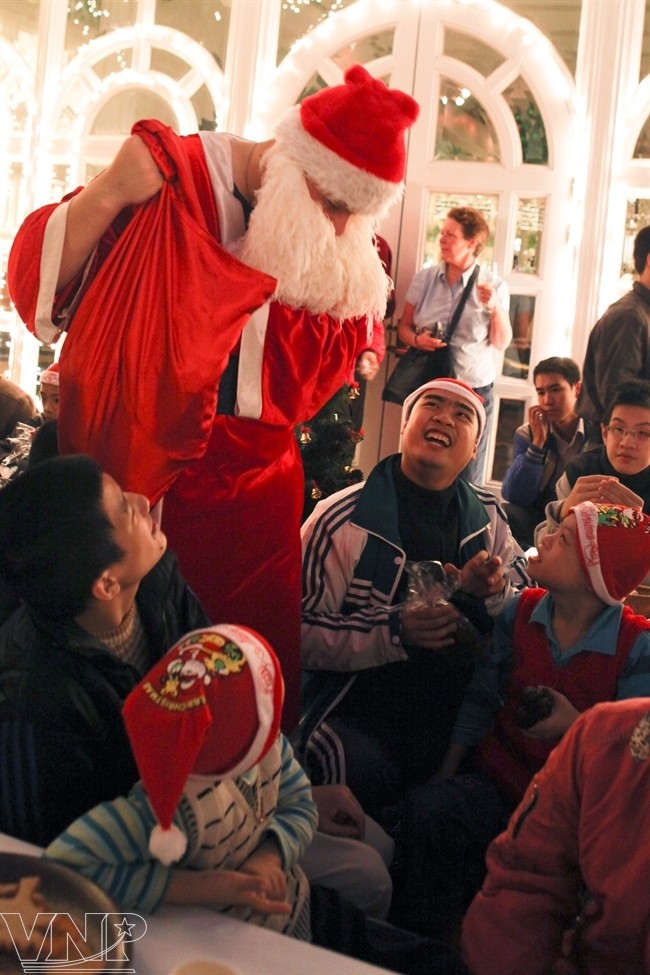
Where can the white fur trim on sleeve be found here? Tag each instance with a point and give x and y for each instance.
(46, 330)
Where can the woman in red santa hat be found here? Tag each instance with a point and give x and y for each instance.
(318, 190)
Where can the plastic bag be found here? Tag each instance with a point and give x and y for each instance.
(430, 585)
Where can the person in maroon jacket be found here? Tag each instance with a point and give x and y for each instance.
(567, 884)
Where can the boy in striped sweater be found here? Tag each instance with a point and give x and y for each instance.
(223, 811)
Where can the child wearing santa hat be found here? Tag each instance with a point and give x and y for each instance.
(49, 392)
(559, 650)
(223, 811)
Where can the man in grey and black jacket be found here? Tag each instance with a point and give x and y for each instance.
(384, 678)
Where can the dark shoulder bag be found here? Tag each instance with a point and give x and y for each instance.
(417, 367)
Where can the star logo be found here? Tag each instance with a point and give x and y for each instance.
(124, 928)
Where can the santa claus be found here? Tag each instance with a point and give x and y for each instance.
(156, 266)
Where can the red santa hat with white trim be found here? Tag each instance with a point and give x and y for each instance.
(349, 140)
(211, 706)
(614, 548)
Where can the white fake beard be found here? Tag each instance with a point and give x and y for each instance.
(290, 238)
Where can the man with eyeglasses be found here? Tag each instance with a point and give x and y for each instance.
(619, 471)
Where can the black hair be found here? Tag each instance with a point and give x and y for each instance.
(56, 538)
(641, 249)
(634, 392)
(45, 444)
(566, 367)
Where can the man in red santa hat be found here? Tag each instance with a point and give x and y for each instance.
(232, 479)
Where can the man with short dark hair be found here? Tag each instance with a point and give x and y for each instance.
(385, 676)
(553, 436)
(101, 601)
(619, 344)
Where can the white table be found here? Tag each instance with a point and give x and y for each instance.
(176, 935)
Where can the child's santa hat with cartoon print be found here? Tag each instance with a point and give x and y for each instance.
(211, 706)
(614, 548)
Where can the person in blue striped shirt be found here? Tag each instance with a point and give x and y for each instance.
(223, 811)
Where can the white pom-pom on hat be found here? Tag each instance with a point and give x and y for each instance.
(167, 845)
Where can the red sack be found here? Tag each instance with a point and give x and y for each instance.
(152, 334)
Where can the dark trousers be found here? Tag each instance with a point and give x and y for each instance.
(441, 829)
(340, 926)
(446, 829)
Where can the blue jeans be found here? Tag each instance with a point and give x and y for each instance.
(475, 470)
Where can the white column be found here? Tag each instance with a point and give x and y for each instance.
(250, 60)
(607, 76)
(51, 41)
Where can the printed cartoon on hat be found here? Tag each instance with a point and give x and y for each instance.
(214, 703)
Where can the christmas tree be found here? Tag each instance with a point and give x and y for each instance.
(327, 446)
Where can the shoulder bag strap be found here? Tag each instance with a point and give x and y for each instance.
(455, 318)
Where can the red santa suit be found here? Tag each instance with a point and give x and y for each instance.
(233, 515)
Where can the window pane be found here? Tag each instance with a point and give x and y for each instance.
(317, 83)
(125, 108)
(203, 106)
(203, 21)
(516, 360)
(510, 416)
(365, 49)
(528, 235)
(440, 204)
(464, 129)
(299, 17)
(534, 147)
(642, 148)
(168, 64)
(90, 19)
(19, 26)
(118, 61)
(467, 49)
(559, 20)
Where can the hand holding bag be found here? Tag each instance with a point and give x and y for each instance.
(417, 367)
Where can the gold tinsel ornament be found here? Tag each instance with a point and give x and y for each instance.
(316, 493)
